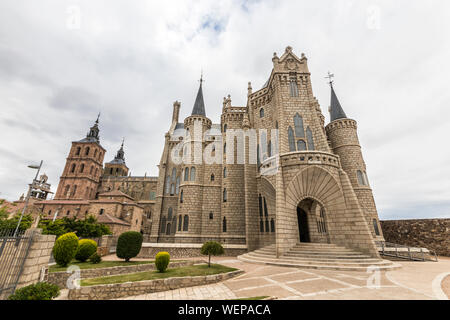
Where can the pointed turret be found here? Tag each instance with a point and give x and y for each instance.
(120, 156)
(336, 111)
(117, 167)
(93, 134)
(199, 105)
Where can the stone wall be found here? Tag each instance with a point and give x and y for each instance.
(185, 250)
(60, 278)
(114, 291)
(433, 234)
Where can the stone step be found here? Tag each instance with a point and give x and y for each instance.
(306, 258)
(325, 253)
(284, 263)
(316, 262)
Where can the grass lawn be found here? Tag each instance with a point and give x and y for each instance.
(196, 270)
(103, 264)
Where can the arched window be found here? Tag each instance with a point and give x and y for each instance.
(225, 127)
(177, 186)
(375, 226)
(88, 149)
(169, 213)
(181, 196)
(211, 216)
(291, 139)
(272, 225)
(49, 212)
(261, 113)
(186, 223)
(73, 168)
(163, 225)
(186, 174)
(82, 168)
(298, 124)
(301, 145)
(360, 177)
(78, 151)
(294, 88)
(224, 225)
(68, 212)
(192, 174)
(225, 172)
(180, 220)
(309, 138)
(101, 211)
(212, 177)
(225, 195)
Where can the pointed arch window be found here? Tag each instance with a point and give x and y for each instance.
(186, 174)
(266, 212)
(180, 220)
(293, 88)
(212, 177)
(186, 223)
(298, 125)
(174, 224)
(225, 195)
(193, 174)
(309, 138)
(301, 145)
(224, 225)
(291, 139)
(261, 113)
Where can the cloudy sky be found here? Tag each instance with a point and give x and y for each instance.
(62, 62)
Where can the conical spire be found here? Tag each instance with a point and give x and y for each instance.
(93, 134)
(336, 111)
(120, 156)
(199, 105)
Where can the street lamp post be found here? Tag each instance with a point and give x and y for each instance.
(30, 188)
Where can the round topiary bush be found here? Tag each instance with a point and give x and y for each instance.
(65, 248)
(95, 258)
(162, 260)
(86, 248)
(128, 245)
(37, 291)
(210, 248)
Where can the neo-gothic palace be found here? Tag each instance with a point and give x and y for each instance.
(319, 191)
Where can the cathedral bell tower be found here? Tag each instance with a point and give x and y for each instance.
(81, 175)
(117, 167)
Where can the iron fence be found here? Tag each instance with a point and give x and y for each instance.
(13, 253)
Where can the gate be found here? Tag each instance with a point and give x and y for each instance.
(13, 253)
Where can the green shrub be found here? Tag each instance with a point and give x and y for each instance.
(86, 248)
(128, 245)
(162, 260)
(37, 291)
(95, 258)
(211, 248)
(65, 248)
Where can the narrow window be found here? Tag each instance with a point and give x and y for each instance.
(163, 225)
(174, 174)
(366, 181)
(261, 226)
(211, 216)
(101, 211)
(74, 190)
(212, 177)
(269, 149)
(225, 148)
(82, 168)
(264, 145)
(68, 212)
(309, 138)
(298, 125)
(375, 226)
(78, 151)
(168, 229)
(181, 196)
(291, 139)
(92, 169)
(267, 225)
(360, 177)
(266, 212)
(258, 160)
(225, 172)
(87, 151)
(272, 225)
(168, 185)
(95, 153)
(225, 195)
(261, 113)
(225, 127)
(224, 225)
(260, 206)
(192, 174)
(177, 186)
(49, 212)
(172, 189)
(301, 145)
(186, 174)
(169, 213)
(293, 88)
(186, 223)
(179, 222)
(72, 170)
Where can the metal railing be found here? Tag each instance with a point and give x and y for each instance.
(14, 248)
(400, 251)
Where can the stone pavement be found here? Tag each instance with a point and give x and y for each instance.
(299, 284)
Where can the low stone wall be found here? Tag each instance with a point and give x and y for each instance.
(433, 234)
(60, 278)
(186, 250)
(119, 290)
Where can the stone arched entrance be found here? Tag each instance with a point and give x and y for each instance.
(311, 221)
(302, 221)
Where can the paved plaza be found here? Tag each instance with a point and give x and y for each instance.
(414, 281)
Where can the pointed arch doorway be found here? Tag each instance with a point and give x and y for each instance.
(303, 230)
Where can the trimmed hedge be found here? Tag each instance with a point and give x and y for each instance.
(95, 258)
(129, 245)
(86, 248)
(65, 248)
(162, 260)
(37, 291)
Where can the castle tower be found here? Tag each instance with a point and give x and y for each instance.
(117, 166)
(343, 137)
(81, 175)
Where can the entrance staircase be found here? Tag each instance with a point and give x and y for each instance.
(318, 256)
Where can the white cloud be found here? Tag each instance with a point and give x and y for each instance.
(132, 60)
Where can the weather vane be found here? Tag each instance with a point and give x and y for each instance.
(201, 77)
(330, 77)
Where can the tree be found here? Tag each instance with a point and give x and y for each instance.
(212, 248)
(129, 245)
(86, 228)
